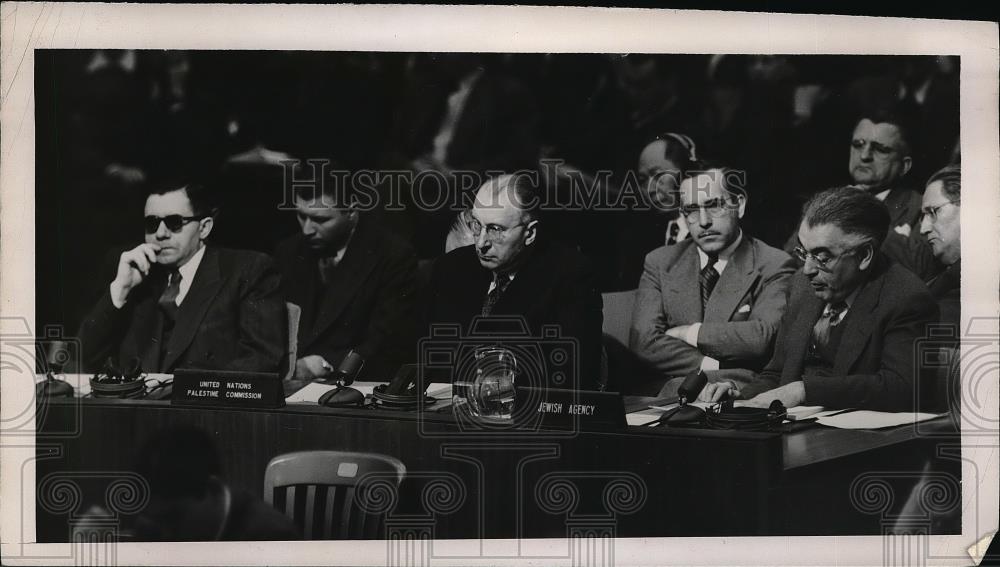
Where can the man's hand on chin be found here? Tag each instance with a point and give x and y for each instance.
(791, 395)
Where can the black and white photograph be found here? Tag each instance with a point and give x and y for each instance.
(290, 286)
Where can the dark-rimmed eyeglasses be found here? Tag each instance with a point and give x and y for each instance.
(174, 223)
(932, 212)
(824, 260)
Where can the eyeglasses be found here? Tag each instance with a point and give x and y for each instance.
(174, 223)
(494, 232)
(932, 212)
(824, 260)
(714, 208)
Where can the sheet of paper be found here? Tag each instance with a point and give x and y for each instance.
(309, 394)
(802, 412)
(643, 417)
(865, 419)
(439, 391)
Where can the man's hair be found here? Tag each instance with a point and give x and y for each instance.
(525, 194)
(951, 179)
(896, 115)
(333, 185)
(201, 197)
(851, 210)
(732, 180)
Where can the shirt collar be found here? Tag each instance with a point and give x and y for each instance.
(190, 268)
(724, 255)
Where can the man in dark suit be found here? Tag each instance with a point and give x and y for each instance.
(177, 303)
(880, 157)
(513, 271)
(354, 282)
(715, 299)
(848, 336)
(940, 223)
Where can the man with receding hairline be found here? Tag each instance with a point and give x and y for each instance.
(514, 270)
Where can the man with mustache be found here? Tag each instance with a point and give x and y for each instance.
(514, 270)
(716, 298)
(847, 337)
(354, 281)
(177, 302)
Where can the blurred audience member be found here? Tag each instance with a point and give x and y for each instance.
(662, 164)
(190, 501)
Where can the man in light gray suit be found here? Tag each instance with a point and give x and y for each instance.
(712, 301)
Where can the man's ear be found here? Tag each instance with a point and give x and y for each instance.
(530, 232)
(205, 226)
(741, 202)
(868, 258)
(907, 164)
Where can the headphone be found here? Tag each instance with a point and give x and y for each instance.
(684, 140)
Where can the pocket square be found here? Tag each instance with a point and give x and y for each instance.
(745, 308)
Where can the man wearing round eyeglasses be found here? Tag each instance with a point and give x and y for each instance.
(513, 271)
(940, 223)
(879, 159)
(847, 338)
(712, 300)
(177, 303)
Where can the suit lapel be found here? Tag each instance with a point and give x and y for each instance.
(205, 286)
(354, 268)
(733, 284)
(857, 326)
(799, 336)
(682, 293)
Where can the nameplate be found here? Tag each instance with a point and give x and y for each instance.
(574, 409)
(227, 388)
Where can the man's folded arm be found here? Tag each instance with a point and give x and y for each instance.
(647, 337)
(750, 339)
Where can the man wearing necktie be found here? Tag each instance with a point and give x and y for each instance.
(513, 271)
(714, 300)
(848, 337)
(177, 302)
(354, 281)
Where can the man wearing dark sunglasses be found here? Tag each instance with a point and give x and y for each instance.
(715, 299)
(848, 336)
(176, 302)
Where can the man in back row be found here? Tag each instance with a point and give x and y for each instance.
(848, 335)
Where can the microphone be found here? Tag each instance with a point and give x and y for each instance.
(687, 392)
(349, 368)
(693, 384)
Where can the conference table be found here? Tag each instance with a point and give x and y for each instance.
(636, 481)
